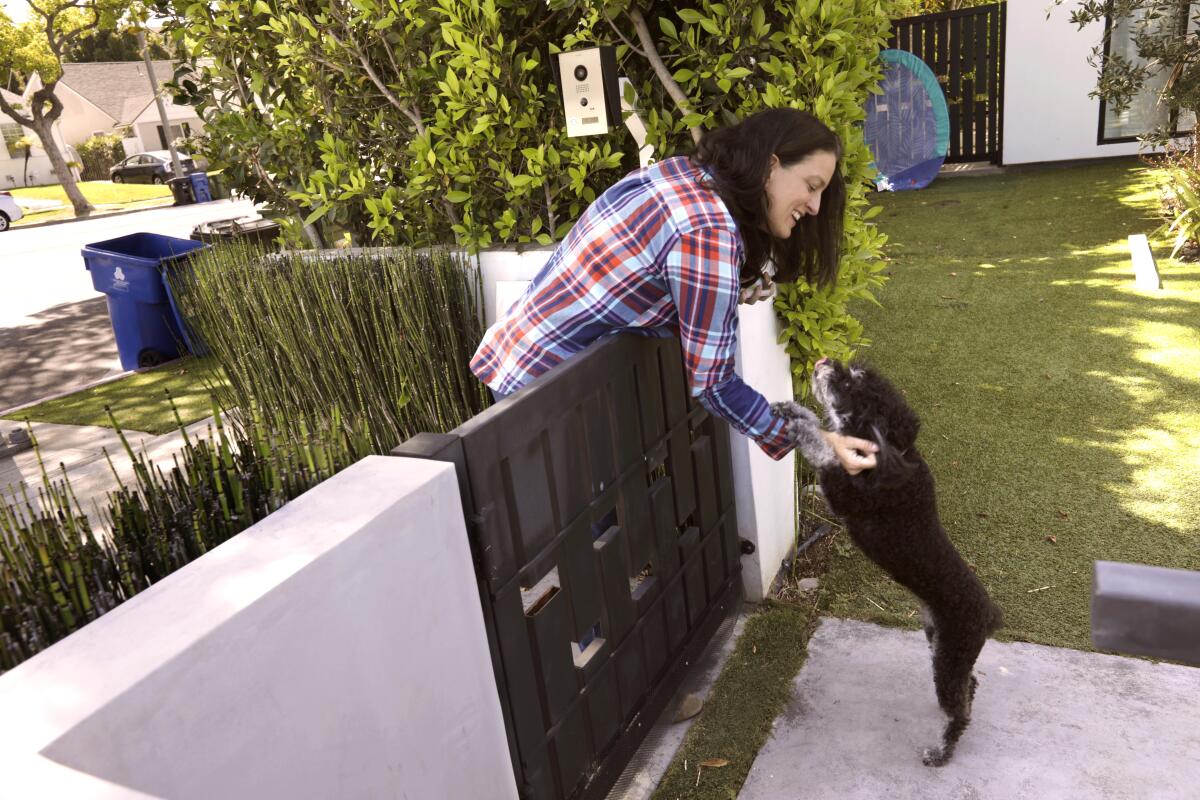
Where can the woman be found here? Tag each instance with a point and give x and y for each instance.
(669, 248)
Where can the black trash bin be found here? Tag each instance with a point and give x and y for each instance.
(183, 190)
(260, 231)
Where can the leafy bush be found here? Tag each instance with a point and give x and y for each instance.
(385, 336)
(57, 573)
(394, 121)
(1179, 175)
(99, 153)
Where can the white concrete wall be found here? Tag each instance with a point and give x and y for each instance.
(334, 650)
(764, 489)
(1048, 115)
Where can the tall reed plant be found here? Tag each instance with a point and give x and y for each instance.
(57, 573)
(384, 335)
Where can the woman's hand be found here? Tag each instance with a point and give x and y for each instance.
(854, 454)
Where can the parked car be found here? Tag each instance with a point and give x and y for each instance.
(151, 167)
(10, 212)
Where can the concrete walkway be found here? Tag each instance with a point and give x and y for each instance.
(80, 449)
(1049, 724)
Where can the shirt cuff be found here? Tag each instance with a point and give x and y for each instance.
(774, 441)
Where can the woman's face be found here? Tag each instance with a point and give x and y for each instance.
(795, 191)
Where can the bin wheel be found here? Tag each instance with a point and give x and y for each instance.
(150, 358)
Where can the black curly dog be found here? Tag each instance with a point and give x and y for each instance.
(891, 514)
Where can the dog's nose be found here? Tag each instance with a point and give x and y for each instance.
(820, 361)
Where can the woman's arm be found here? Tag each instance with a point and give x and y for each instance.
(701, 272)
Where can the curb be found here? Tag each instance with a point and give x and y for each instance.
(32, 225)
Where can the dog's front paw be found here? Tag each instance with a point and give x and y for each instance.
(794, 412)
(934, 757)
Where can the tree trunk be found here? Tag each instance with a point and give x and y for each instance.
(65, 178)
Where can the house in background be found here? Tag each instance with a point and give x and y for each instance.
(115, 96)
(14, 170)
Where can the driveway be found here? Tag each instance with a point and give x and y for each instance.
(54, 328)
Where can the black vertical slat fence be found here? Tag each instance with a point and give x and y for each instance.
(965, 50)
(599, 503)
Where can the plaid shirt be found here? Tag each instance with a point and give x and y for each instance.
(656, 254)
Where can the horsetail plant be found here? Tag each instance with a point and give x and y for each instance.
(57, 573)
(385, 336)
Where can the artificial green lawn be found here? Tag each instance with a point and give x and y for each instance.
(1056, 399)
(139, 401)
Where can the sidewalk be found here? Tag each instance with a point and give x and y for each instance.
(1048, 724)
(80, 448)
(65, 346)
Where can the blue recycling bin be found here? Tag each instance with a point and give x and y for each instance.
(131, 272)
(200, 188)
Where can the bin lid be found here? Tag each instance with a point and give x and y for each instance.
(226, 227)
(146, 249)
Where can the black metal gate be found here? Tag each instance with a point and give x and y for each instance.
(965, 50)
(599, 503)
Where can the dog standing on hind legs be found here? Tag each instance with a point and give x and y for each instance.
(891, 514)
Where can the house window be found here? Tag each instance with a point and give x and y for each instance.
(1144, 114)
(11, 132)
(177, 132)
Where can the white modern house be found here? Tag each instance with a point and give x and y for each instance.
(1048, 115)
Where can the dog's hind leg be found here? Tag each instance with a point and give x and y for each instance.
(927, 624)
(955, 690)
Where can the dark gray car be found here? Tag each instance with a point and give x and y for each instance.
(152, 167)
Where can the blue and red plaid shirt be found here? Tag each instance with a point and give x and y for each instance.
(656, 254)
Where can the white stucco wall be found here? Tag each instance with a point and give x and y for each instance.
(80, 118)
(334, 650)
(764, 489)
(145, 127)
(1048, 115)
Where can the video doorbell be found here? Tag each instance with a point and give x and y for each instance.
(591, 98)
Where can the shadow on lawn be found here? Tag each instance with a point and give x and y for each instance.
(69, 345)
(1061, 407)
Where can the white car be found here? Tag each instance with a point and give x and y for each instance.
(10, 212)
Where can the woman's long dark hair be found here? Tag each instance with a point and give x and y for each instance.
(739, 159)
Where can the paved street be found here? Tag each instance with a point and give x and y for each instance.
(54, 329)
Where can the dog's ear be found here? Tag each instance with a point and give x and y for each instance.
(903, 427)
(893, 466)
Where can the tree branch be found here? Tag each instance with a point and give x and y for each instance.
(660, 69)
(617, 31)
(14, 114)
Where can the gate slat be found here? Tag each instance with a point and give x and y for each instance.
(998, 112)
(967, 65)
(982, 80)
(953, 97)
